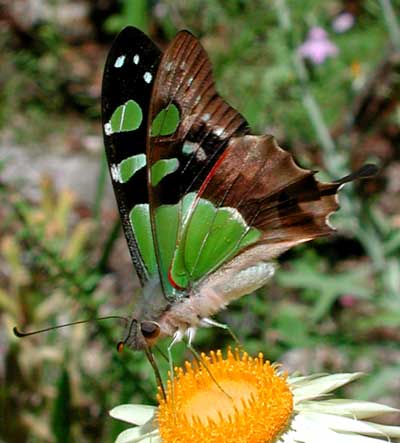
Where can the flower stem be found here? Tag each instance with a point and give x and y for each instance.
(391, 23)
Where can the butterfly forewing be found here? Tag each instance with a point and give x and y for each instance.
(127, 84)
(189, 129)
(255, 201)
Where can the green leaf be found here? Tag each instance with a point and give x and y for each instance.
(292, 327)
(327, 287)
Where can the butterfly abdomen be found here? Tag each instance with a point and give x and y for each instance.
(232, 281)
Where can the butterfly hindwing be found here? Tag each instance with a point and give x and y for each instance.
(286, 204)
(255, 201)
(129, 73)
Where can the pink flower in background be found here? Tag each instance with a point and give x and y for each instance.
(348, 301)
(317, 47)
(343, 22)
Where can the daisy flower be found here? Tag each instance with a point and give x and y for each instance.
(240, 399)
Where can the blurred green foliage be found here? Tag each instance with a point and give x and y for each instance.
(334, 302)
(132, 14)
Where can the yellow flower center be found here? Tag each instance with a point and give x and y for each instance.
(237, 399)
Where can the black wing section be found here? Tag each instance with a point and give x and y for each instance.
(130, 68)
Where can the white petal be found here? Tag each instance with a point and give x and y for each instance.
(389, 431)
(349, 408)
(152, 439)
(134, 414)
(309, 431)
(300, 380)
(287, 437)
(344, 424)
(322, 385)
(134, 435)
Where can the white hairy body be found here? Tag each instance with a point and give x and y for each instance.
(211, 296)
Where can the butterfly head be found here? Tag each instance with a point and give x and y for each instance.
(140, 335)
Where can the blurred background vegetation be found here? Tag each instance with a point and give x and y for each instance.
(322, 76)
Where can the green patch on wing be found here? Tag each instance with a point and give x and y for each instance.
(140, 221)
(161, 168)
(126, 117)
(129, 166)
(211, 237)
(166, 121)
(192, 243)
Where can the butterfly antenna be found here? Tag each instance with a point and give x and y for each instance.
(22, 334)
(153, 363)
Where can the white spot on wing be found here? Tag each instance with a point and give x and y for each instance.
(108, 129)
(218, 131)
(136, 59)
(235, 215)
(206, 117)
(116, 173)
(120, 61)
(190, 148)
(147, 77)
(327, 218)
(201, 154)
(328, 222)
(190, 81)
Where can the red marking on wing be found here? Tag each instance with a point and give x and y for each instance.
(211, 173)
(200, 192)
(172, 281)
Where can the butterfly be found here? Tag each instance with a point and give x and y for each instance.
(205, 205)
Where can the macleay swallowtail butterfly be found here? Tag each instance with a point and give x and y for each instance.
(205, 205)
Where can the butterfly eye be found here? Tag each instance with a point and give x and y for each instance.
(120, 346)
(150, 329)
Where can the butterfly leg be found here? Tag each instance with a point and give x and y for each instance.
(153, 363)
(176, 338)
(202, 363)
(210, 322)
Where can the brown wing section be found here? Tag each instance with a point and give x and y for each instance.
(206, 124)
(285, 202)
